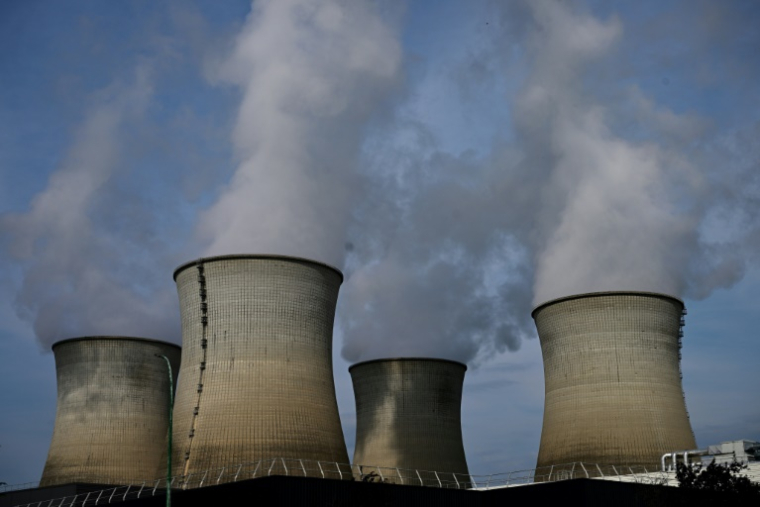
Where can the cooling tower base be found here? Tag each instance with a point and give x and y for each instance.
(300, 491)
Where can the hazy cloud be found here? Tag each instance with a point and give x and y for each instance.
(566, 180)
(312, 75)
(81, 272)
(599, 188)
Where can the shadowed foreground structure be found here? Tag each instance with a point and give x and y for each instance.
(301, 491)
(612, 378)
(408, 415)
(112, 416)
(257, 378)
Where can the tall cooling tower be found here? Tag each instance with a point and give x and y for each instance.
(612, 378)
(113, 410)
(257, 379)
(408, 416)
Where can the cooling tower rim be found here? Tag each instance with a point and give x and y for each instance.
(114, 338)
(229, 257)
(604, 293)
(398, 359)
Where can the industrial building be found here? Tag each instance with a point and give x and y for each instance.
(113, 410)
(612, 379)
(256, 416)
(307, 491)
(256, 379)
(408, 415)
(291, 488)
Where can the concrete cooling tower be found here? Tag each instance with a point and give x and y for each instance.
(612, 378)
(113, 410)
(408, 416)
(257, 378)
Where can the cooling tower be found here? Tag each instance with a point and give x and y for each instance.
(257, 378)
(408, 415)
(612, 378)
(113, 410)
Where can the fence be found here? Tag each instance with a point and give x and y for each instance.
(567, 471)
(367, 473)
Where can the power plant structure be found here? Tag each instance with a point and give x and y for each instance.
(408, 416)
(113, 410)
(256, 405)
(256, 379)
(612, 378)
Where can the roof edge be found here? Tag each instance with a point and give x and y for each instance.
(215, 258)
(113, 337)
(397, 359)
(605, 293)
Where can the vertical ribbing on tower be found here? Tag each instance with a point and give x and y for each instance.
(257, 379)
(612, 379)
(112, 419)
(408, 415)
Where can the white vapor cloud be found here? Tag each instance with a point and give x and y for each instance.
(606, 221)
(597, 189)
(312, 75)
(80, 274)
(619, 213)
(575, 182)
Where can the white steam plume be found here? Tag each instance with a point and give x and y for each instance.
(81, 271)
(577, 200)
(609, 221)
(587, 186)
(616, 213)
(312, 75)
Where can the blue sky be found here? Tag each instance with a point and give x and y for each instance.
(455, 159)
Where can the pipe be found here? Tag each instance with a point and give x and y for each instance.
(694, 452)
(674, 458)
(662, 461)
(169, 446)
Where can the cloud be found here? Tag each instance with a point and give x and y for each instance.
(565, 179)
(79, 271)
(595, 187)
(91, 249)
(312, 75)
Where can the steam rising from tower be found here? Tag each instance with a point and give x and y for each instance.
(312, 74)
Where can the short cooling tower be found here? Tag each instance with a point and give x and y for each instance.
(612, 378)
(408, 416)
(113, 410)
(257, 379)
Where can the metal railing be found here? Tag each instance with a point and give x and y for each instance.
(100, 497)
(257, 469)
(369, 473)
(639, 474)
(578, 470)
